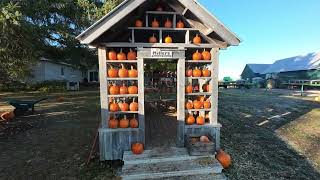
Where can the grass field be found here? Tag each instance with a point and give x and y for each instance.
(270, 135)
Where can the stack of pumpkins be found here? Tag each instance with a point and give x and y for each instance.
(123, 106)
(114, 89)
(123, 72)
(121, 56)
(205, 55)
(205, 72)
(189, 89)
(191, 120)
(114, 123)
(200, 103)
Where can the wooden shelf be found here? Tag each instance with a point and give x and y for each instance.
(122, 79)
(162, 29)
(122, 61)
(157, 45)
(199, 61)
(124, 112)
(123, 95)
(197, 110)
(206, 78)
(199, 94)
(162, 12)
(119, 129)
(202, 126)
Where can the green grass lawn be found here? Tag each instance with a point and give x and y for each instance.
(269, 136)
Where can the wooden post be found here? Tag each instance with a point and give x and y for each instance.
(214, 84)
(180, 102)
(140, 67)
(102, 55)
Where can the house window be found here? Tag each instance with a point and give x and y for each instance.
(62, 71)
(93, 76)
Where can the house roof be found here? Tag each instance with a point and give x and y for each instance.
(297, 63)
(258, 68)
(127, 6)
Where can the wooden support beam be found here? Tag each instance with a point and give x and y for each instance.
(102, 56)
(214, 85)
(140, 68)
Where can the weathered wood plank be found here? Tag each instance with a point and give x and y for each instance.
(102, 55)
(214, 86)
(158, 45)
(140, 68)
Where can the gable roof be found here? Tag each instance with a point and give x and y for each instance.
(258, 68)
(127, 6)
(297, 63)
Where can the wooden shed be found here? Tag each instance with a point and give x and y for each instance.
(156, 30)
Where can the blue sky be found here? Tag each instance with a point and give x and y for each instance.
(270, 30)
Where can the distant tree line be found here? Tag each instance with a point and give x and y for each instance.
(31, 29)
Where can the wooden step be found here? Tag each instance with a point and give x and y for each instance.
(170, 163)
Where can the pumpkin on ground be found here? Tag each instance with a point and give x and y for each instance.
(124, 106)
(206, 73)
(190, 120)
(180, 24)
(112, 72)
(137, 148)
(133, 73)
(134, 105)
(113, 123)
(200, 120)
(197, 56)
(121, 56)
(197, 104)
(206, 55)
(133, 90)
(138, 23)
(124, 123)
(153, 39)
(132, 55)
(123, 89)
(196, 72)
(168, 23)
(123, 72)
(155, 23)
(224, 159)
(134, 123)
(204, 139)
(189, 105)
(197, 39)
(112, 55)
(114, 107)
(189, 89)
(168, 39)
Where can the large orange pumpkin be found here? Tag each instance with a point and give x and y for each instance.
(134, 123)
(123, 89)
(200, 120)
(206, 104)
(114, 107)
(206, 73)
(133, 73)
(112, 72)
(189, 89)
(153, 39)
(113, 123)
(224, 159)
(196, 72)
(197, 39)
(138, 23)
(206, 55)
(168, 39)
(168, 23)
(197, 104)
(121, 56)
(189, 105)
(114, 89)
(133, 90)
(155, 23)
(112, 55)
(137, 148)
(123, 72)
(124, 106)
(197, 56)
(190, 120)
(133, 106)
(124, 123)
(132, 55)
(180, 24)
(189, 72)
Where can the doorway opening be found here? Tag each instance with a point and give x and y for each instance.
(160, 102)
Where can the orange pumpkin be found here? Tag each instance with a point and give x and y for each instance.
(168, 23)
(206, 88)
(133, 106)
(138, 23)
(134, 123)
(133, 73)
(155, 23)
(137, 148)
(189, 72)
(112, 55)
(112, 72)
(133, 90)
(206, 73)
(132, 55)
(168, 39)
(124, 106)
(123, 72)
(124, 123)
(114, 89)
(121, 55)
(189, 89)
(123, 89)
(190, 120)
(114, 107)
(206, 55)
(197, 39)
(197, 104)
(196, 72)
(200, 120)
(197, 56)
(206, 104)
(153, 39)
(189, 105)
(113, 123)
(180, 24)
(224, 159)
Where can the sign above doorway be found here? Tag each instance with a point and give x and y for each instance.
(159, 53)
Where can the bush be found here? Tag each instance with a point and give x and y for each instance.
(45, 87)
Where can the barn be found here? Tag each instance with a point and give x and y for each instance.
(253, 71)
